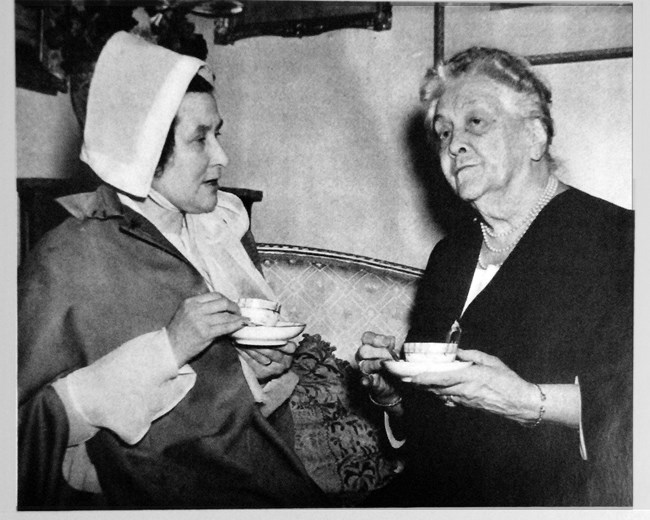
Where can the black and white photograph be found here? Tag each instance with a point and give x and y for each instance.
(324, 257)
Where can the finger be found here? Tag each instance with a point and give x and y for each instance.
(266, 355)
(436, 379)
(370, 352)
(363, 368)
(370, 366)
(369, 380)
(219, 305)
(476, 356)
(262, 371)
(222, 326)
(219, 318)
(377, 385)
(377, 340)
(207, 297)
(257, 356)
(447, 394)
(289, 348)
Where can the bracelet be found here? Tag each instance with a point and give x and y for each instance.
(389, 405)
(542, 410)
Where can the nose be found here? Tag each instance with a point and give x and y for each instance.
(218, 155)
(458, 143)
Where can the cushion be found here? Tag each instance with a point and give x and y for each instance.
(338, 433)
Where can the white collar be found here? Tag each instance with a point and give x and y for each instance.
(158, 210)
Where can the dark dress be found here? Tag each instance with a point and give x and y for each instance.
(561, 306)
(88, 287)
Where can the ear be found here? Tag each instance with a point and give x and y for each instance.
(537, 137)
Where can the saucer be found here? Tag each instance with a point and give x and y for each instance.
(265, 336)
(406, 369)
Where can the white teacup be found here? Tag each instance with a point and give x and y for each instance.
(430, 352)
(259, 311)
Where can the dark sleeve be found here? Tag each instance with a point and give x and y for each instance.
(606, 383)
(46, 351)
(43, 437)
(42, 441)
(47, 340)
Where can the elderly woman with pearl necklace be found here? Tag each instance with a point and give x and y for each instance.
(540, 283)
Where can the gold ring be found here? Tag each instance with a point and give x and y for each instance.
(446, 399)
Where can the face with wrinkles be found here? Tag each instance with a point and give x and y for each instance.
(190, 177)
(484, 140)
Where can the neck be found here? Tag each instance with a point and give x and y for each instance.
(162, 213)
(498, 247)
(506, 210)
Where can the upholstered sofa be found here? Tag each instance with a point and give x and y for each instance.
(339, 434)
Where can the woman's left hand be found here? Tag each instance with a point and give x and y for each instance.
(269, 362)
(488, 384)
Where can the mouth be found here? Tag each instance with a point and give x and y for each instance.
(462, 167)
(214, 183)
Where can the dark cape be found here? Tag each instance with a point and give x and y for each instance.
(91, 285)
(561, 306)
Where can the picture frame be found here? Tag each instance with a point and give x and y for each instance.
(598, 31)
(298, 19)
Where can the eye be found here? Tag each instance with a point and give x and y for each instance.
(477, 124)
(444, 133)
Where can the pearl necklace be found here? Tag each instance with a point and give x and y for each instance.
(547, 195)
(482, 265)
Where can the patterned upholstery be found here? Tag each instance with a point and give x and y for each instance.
(339, 433)
(338, 295)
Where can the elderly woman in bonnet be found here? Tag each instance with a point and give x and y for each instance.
(131, 393)
(539, 282)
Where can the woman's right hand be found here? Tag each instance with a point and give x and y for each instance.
(198, 321)
(374, 349)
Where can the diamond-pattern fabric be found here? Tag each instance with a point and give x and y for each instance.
(340, 298)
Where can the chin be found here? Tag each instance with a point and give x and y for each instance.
(462, 192)
(209, 208)
(206, 206)
(468, 191)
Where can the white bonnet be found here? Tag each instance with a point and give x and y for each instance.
(134, 95)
